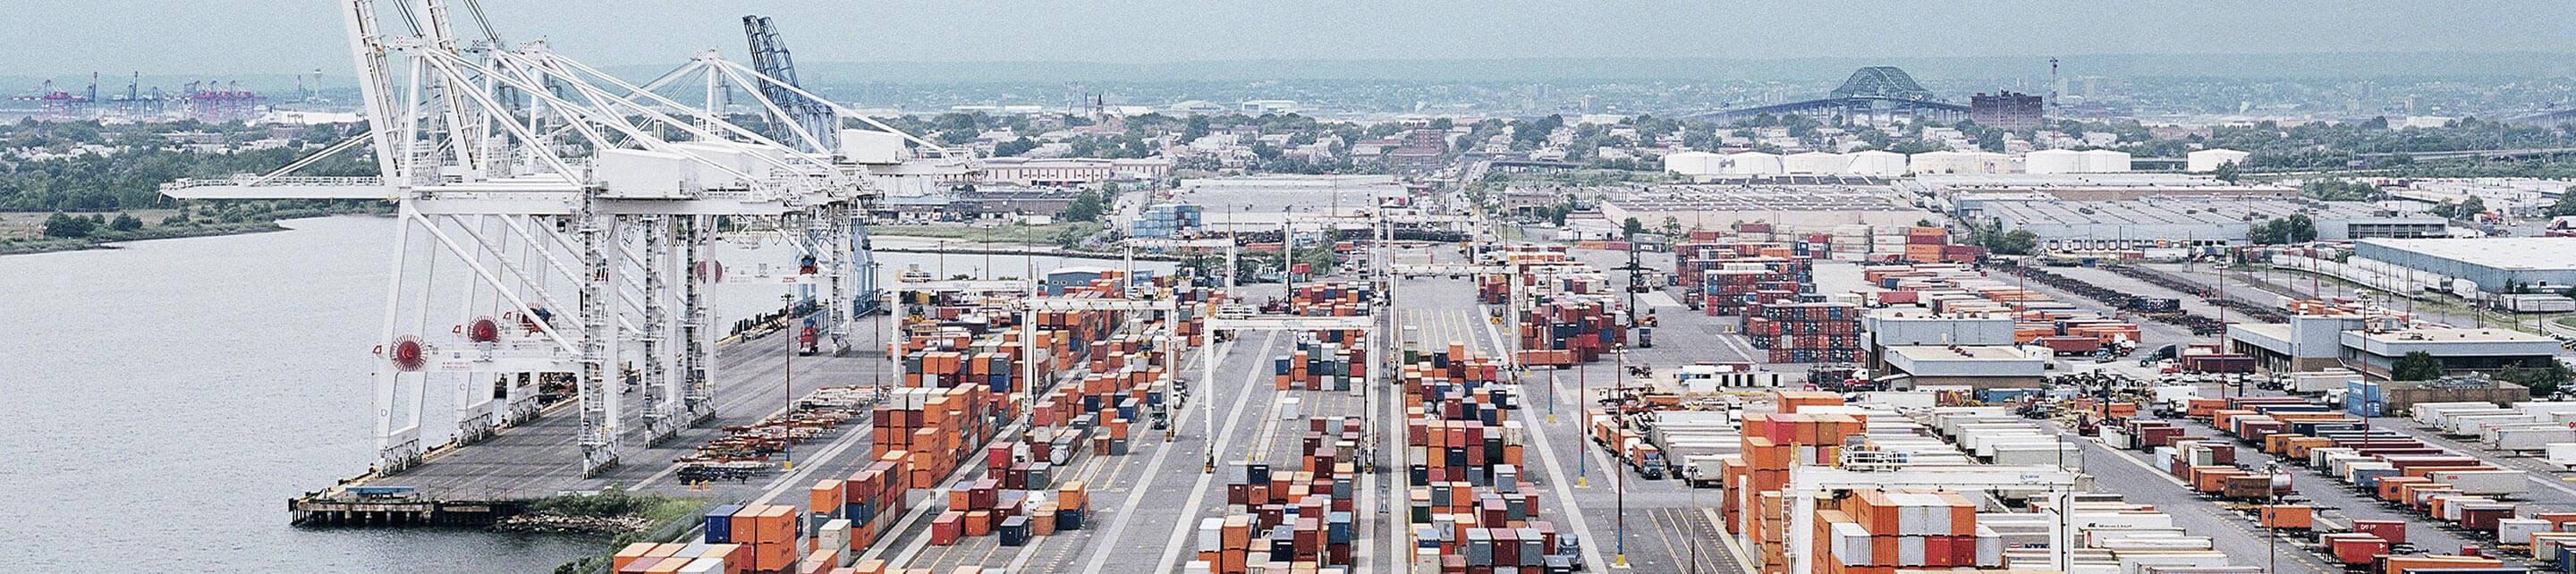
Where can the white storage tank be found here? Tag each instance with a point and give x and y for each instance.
(1815, 162)
(1989, 162)
(1943, 161)
(2105, 161)
(1694, 163)
(2208, 160)
(1875, 162)
(1753, 163)
(2053, 161)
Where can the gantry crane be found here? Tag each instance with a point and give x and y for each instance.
(553, 221)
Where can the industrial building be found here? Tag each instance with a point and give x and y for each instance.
(2466, 266)
(1792, 206)
(2305, 343)
(2007, 110)
(2092, 186)
(2176, 221)
(2460, 350)
(1705, 165)
(1910, 326)
(1983, 367)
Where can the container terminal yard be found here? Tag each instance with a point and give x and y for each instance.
(1417, 385)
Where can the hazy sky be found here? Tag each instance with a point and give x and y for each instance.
(285, 36)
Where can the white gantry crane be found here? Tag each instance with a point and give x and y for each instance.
(554, 222)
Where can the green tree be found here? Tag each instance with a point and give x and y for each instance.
(2566, 203)
(2415, 366)
(1630, 228)
(67, 226)
(1014, 147)
(1672, 226)
(2015, 242)
(1087, 206)
(125, 222)
(2227, 172)
(2542, 380)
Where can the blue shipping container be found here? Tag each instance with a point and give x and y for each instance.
(720, 524)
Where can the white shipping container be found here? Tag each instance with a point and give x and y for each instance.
(1211, 534)
(703, 566)
(2561, 454)
(2528, 438)
(2484, 482)
(2519, 530)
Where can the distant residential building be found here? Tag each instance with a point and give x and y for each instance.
(1422, 150)
(979, 203)
(1258, 107)
(1067, 172)
(2007, 110)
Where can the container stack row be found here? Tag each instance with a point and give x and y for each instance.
(1805, 332)
(1567, 330)
(1876, 532)
(1319, 365)
(1932, 245)
(1165, 220)
(677, 558)
(772, 533)
(1329, 299)
(1288, 521)
(1468, 507)
(937, 428)
(1014, 516)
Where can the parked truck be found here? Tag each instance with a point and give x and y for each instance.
(1705, 471)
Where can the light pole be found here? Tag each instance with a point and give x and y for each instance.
(1619, 479)
(1582, 459)
(786, 449)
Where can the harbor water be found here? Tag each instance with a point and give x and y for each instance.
(168, 397)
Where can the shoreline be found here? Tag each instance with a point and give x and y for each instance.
(89, 244)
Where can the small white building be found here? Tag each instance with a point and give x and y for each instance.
(2208, 160)
(1694, 163)
(1875, 162)
(2053, 161)
(2105, 161)
(1753, 163)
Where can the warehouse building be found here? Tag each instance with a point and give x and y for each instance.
(2466, 266)
(1794, 207)
(2178, 221)
(2461, 350)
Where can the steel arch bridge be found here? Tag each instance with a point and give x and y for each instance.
(1872, 91)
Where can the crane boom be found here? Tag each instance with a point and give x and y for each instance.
(769, 57)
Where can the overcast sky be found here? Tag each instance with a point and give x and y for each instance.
(285, 36)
